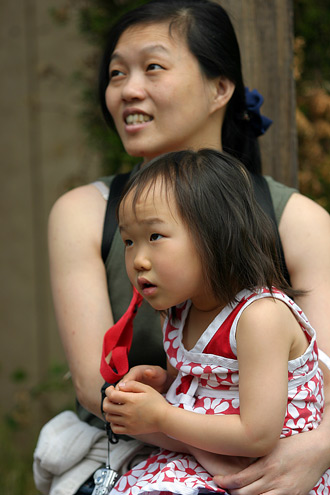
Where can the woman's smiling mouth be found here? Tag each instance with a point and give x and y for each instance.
(137, 118)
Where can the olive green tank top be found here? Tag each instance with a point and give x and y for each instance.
(147, 340)
(147, 345)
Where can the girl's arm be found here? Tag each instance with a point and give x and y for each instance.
(305, 235)
(79, 287)
(159, 379)
(264, 338)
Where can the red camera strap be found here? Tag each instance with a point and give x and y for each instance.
(118, 341)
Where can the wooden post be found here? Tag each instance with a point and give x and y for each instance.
(265, 33)
(42, 148)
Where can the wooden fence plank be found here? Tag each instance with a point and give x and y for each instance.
(265, 33)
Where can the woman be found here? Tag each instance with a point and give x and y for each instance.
(171, 80)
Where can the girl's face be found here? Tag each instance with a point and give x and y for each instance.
(157, 95)
(161, 259)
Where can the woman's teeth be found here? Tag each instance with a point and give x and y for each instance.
(137, 118)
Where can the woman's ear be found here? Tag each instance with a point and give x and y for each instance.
(223, 90)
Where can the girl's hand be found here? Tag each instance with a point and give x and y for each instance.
(135, 408)
(282, 472)
(154, 376)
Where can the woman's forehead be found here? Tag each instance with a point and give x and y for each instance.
(154, 34)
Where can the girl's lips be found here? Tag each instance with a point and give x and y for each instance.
(149, 291)
(146, 287)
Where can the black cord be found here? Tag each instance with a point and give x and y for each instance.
(112, 437)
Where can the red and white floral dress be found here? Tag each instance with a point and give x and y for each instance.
(207, 383)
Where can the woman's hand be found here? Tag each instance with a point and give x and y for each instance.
(292, 468)
(154, 376)
(134, 409)
(218, 463)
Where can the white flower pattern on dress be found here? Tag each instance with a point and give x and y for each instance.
(208, 384)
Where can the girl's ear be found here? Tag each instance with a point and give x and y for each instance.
(223, 90)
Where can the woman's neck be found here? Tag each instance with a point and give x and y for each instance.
(215, 146)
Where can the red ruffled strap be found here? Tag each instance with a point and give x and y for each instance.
(118, 341)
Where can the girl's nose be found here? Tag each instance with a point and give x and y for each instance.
(142, 263)
(133, 89)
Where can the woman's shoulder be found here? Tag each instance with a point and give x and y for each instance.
(280, 194)
(105, 180)
(305, 217)
(78, 213)
(78, 200)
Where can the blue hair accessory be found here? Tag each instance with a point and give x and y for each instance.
(258, 122)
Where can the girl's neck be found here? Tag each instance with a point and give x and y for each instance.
(197, 322)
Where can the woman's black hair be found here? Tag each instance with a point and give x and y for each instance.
(214, 196)
(212, 40)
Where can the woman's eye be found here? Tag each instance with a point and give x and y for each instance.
(154, 67)
(116, 73)
(155, 237)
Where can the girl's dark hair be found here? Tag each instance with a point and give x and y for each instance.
(214, 196)
(212, 40)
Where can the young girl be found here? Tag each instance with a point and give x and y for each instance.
(241, 353)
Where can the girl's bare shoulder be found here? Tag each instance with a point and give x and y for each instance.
(267, 313)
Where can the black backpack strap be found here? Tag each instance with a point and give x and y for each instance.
(263, 197)
(261, 191)
(109, 229)
(110, 221)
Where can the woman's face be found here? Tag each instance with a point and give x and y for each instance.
(158, 97)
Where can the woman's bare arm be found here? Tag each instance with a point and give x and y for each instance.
(305, 233)
(79, 287)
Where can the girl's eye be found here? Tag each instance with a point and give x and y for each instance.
(128, 242)
(154, 67)
(155, 237)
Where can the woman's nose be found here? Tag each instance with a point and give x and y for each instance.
(133, 89)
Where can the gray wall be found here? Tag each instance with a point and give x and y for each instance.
(42, 152)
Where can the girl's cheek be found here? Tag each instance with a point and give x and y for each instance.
(130, 270)
(128, 264)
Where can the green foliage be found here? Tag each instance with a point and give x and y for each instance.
(97, 16)
(19, 427)
(57, 380)
(94, 19)
(312, 21)
(15, 465)
(99, 136)
(19, 375)
(312, 71)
